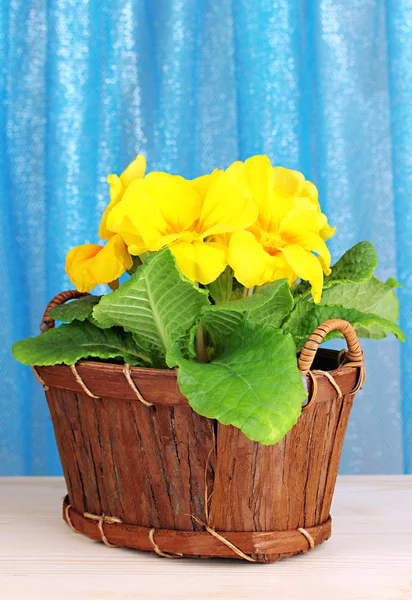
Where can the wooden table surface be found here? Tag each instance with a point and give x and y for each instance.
(368, 556)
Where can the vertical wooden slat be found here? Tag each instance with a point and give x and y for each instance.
(280, 487)
(336, 451)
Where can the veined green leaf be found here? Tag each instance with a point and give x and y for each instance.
(356, 265)
(157, 304)
(79, 309)
(270, 304)
(221, 323)
(252, 382)
(69, 343)
(372, 296)
(306, 316)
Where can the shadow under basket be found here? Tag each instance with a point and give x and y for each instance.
(162, 478)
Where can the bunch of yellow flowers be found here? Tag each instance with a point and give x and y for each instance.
(264, 222)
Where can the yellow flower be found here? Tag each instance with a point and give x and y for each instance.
(167, 210)
(293, 183)
(290, 226)
(118, 185)
(90, 264)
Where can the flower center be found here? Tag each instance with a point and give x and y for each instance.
(189, 237)
(271, 242)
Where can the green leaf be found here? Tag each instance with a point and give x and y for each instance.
(252, 382)
(157, 304)
(372, 296)
(69, 343)
(355, 266)
(278, 305)
(221, 288)
(352, 293)
(270, 304)
(306, 316)
(79, 309)
(220, 324)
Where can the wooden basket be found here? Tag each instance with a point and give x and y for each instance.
(157, 476)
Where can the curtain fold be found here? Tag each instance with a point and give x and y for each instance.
(324, 87)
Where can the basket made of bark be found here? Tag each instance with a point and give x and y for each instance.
(162, 478)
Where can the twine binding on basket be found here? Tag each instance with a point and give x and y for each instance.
(157, 549)
(332, 380)
(308, 537)
(101, 519)
(81, 382)
(128, 375)
(222, 539)
(315, 386)
(68, 519)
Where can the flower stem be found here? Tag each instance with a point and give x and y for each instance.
(200, 344)
(200, 340)
(248, 291)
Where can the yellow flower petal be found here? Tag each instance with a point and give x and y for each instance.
(117, 184)
(177, 200)
(313, 242)
(306, 266)
(291, 186)
(135, 170)
(251, 264)
(294, 184)
(287, 181)
(116, 193)
(200, 261)
(325, 266)
(91, 264)
(134, 243)
(290, 226)
(202, 184)
(256, 173)
(309, 190)
(327, 232)
(259, 177)
(227, 207)
(160, 207)
(80, 253)
(282, 205)
(301, 220)
(112, 261)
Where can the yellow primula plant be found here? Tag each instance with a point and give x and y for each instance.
(228, 275)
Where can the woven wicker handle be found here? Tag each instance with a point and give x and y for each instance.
(48, 322)
(354, 354)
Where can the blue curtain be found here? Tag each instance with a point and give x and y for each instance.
(324, 87)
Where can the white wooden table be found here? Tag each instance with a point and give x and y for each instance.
(369, 555)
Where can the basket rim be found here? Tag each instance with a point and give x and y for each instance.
(159, 386)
